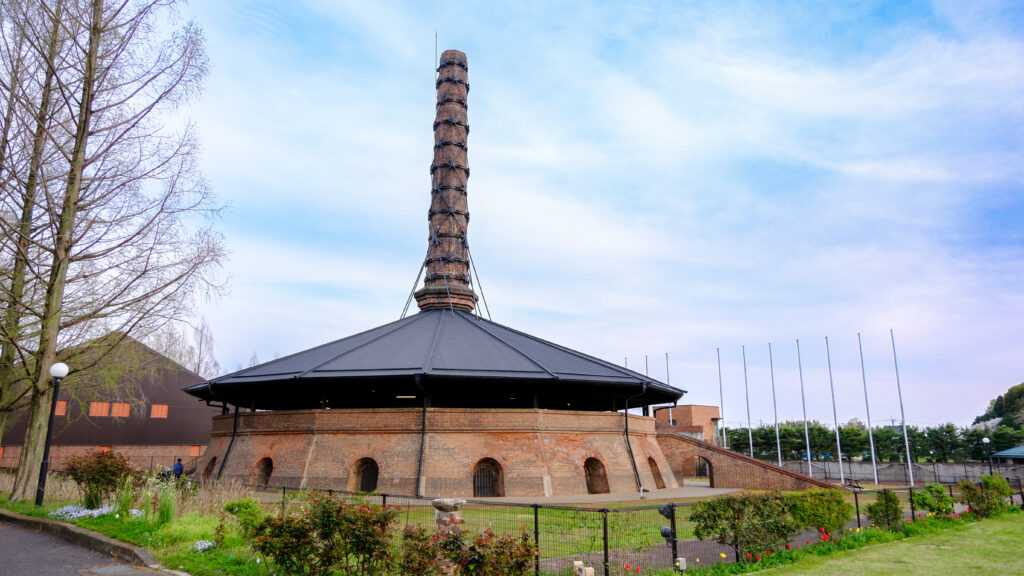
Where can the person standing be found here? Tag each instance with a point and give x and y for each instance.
(179, 469)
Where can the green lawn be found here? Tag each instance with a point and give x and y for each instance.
(992, 547)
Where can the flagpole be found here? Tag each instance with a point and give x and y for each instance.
(899, 392)
(835, 417)
(775, 407)
(721, 400)
(746, 389)
(867, 408)
(803, 403)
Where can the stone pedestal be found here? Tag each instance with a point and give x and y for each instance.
(578, 569)
(448, 516)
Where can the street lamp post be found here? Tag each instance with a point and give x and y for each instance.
(988, 450)
(58, 371)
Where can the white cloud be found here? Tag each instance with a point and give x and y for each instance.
(669, 180)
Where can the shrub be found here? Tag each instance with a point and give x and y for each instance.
(933, 498)
(822, 509)
(364, 529)
(886, 512)
(248, 513)
(745, 523)
(290, 543)
(986, 499)
(418, 552)
(505, 555)
(98, 474)
(328, 533)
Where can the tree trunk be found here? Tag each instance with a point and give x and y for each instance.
(42, 393)
(14, 308)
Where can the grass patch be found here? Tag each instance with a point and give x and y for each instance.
(929, 546)
(980, 548)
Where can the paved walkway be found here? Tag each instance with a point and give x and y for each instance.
(28, 552)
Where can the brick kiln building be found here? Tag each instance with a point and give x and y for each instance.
(443, 402)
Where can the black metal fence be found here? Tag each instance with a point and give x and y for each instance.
(614, 540)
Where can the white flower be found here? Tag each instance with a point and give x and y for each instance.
(202, 545)
(74, 511)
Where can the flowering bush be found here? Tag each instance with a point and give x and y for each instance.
(98, 474)
(419, 551)
(505, 555)
(333, 536)
(986, 499)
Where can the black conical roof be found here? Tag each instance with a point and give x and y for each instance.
(455, 358)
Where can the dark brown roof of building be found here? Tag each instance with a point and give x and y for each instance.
(456, 358)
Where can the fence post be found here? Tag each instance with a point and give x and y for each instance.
(856, 503)
(913, 513)
(284, 498)
(604, 514)
(536, 538)
(950, 490)
(383, 499)
(675, 537)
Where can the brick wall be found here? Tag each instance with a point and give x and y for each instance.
(730, 469)
(541, 452)
(148, 457)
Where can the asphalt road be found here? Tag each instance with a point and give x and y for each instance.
(27, 552)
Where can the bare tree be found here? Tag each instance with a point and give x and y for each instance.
(191, 347)
(125, 242)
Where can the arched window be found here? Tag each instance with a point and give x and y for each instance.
(210, 466)
(364, 475)
(488, 479)
(261, 472)
(597, 479)
(659, 482)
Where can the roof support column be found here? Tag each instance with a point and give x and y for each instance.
(423, 437)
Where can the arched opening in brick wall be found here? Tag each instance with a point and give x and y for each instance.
(597, 478)
(210, 466)
(659, 482)
(260, 475)
(364, 475)
(488, 479)
(706, 470)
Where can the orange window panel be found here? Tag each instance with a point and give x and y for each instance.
(99, 408)
(1, 452)
(105, 448)
(158, 411)
(194, 450)
(61, 409)
(120, 409)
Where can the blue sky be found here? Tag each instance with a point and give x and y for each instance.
(646, 178)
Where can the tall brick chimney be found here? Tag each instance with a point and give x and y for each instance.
(447, 282)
